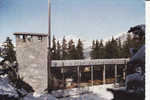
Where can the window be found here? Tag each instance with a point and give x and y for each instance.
(29, 37)
(39, 37)
(22, 37)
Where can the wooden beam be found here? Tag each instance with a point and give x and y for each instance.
(78, 72)
(93, 62)
(104, 74)
(115, 74)
(63, 76)
(124, 72)
(92, 74)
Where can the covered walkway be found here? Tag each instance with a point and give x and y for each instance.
(80, 67)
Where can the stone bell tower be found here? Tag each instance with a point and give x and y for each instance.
(31, 52)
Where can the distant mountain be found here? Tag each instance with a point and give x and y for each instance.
(122, 36)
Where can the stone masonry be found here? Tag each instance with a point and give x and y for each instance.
(31, 52)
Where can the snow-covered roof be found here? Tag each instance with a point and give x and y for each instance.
(88, 62)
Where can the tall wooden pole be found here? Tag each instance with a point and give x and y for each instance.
(49, 49)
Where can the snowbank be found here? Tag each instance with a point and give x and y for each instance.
(98, 92)
(101, 91)
(6, 88)
(43, 97)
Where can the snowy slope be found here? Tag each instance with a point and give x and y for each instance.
(43, 97)
(98, 92)
(6, 88)
(101, 91)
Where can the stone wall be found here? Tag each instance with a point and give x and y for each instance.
(31, 51)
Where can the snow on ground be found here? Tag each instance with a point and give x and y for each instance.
(42, 97)
(85, 97)
(6, 88)
(98, 92)
(101, 90)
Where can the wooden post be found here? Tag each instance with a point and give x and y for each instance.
(62, 72)
(124, 73)
(92, 74)
(115, 74)
(63, 76)
(78, 72)
(104, 75)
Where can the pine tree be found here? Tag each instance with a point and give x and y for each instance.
(64, 49)
(58, 51)
(72, 53)
(53, 50)
(101, 50)
(108, 51)
(92, 53)
(79, 50)
(8, 52)
(97, 49)
(114, 48)
(120, 53)
(127, 45)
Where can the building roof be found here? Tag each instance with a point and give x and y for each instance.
(30, 33)
(61, 63)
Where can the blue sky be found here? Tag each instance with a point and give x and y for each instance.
(87, 19)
